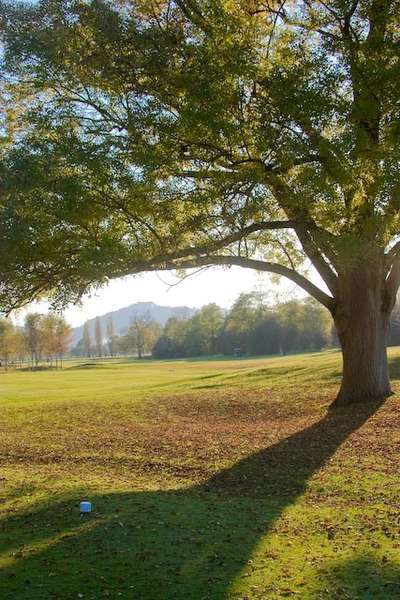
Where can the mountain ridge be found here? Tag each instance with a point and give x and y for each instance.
(122, 317)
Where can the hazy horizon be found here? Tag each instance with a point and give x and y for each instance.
(221, 286)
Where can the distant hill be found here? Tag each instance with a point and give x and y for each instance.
(122, 318)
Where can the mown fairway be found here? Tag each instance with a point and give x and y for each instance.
(209, 480)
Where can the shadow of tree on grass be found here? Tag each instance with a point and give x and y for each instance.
(185, 544)
(361, 578)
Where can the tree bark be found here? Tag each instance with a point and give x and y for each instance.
(362, 318)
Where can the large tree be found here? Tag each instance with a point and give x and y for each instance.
(170, 134)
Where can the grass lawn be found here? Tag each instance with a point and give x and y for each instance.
(220, 479)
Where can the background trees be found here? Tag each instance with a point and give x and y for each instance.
(394, 334)
(241, 319)
(40, 338)
(48, 336)
(55, 336)
(98, 336)
(33, 338)
(202, 331)
(252, 326)
(140, 337)
(7, 342)
(111, 337)
(171, 343)
(87, 345)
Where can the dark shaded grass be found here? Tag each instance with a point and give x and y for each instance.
(190, 543)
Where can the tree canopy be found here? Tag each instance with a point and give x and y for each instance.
(169, 134)
(151, 135)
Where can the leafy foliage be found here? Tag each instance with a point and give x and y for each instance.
(140, 336)
(171, 134)
(41, 337)
(251, 327)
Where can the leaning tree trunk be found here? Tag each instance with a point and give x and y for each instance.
(362, 320)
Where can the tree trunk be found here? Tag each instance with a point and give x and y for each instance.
(362, 320)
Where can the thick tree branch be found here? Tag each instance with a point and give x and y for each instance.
(202, 261)
(317, 259)
(393, 254)
(393, 283)
(305, 227)
(214, 245)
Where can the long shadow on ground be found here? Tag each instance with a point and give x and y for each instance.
(185, 544)
(362, 577)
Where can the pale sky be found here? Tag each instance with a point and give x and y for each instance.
(218, 285)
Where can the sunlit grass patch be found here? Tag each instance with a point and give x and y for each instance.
(249, 490)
